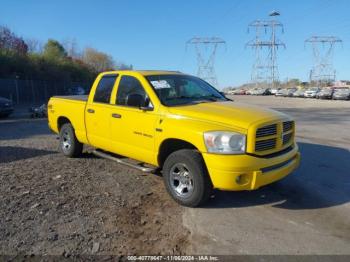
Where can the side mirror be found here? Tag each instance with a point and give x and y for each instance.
(135, 100)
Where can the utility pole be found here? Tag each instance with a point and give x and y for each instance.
(265, 44)
(206, 69)
(322, 71)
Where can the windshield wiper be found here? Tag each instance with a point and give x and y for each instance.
(213, 98)
(179, 97)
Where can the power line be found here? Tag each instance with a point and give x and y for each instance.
(323, 71)
(265, 69)
(206, 69)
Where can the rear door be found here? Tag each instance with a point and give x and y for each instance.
(98, 113)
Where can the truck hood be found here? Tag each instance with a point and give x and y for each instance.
(228, 113)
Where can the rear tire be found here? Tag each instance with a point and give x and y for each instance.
(69, 144)
(186, 178)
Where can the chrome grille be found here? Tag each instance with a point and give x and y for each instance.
(287, 126)
(265, 144)
(266, 131)
(287, 138)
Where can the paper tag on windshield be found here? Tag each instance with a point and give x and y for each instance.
(159, 84)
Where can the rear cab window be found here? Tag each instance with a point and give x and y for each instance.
(104, 89)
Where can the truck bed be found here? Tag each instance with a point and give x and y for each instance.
(72, 108)
(74, 97)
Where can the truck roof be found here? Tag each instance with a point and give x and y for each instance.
(145, 72)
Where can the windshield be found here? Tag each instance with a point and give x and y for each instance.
(175, 90)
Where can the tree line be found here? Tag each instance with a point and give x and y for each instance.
(52, 61)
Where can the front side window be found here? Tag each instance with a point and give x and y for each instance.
(175, 90)
(131, 93)
(104, 89)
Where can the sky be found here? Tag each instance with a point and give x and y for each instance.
(152, 34)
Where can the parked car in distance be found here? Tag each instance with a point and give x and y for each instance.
(267, 92)
(280, 92)
(242, 92)
(236, 92)
(255, 92)
(325, 93)
(259, 91)
(341, 94)
(273, 91)
(289, 92)
(178, 123)
(312, 92)
(77, 90)
(299, 93)
(6, 107)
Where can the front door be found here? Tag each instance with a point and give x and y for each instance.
(133, 121)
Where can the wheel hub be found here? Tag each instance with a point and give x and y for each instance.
(66, 141)
(181, 180)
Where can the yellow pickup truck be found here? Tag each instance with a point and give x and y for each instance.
(181, 125)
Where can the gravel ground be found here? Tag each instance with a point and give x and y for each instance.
(53, 205)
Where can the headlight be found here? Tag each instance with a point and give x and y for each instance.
(222, 142)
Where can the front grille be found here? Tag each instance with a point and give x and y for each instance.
(287, 126)
(287, 138)
(264, 145)
(273, 137)
(266, 131)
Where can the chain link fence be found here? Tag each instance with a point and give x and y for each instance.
(37, 92)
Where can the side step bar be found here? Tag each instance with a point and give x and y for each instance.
(120, 161)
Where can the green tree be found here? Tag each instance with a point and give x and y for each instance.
(54, 50)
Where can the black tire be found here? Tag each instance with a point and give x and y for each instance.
(69, 144)
(198, 177)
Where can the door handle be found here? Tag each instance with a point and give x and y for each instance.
(91, 111)
(116, 115)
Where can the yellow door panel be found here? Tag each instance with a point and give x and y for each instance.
(132, 133)
(98, 112)
(133, 121)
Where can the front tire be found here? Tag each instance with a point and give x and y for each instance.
(69, 144)
(186, 178)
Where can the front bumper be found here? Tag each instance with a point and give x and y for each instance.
(246, 172)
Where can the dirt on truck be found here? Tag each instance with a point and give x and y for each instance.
(179, 124)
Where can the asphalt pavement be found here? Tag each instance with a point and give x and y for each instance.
(308, 212)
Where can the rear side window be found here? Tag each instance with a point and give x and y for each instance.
(104, 89)
(129, 85)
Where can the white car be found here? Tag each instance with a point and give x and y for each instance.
(280, 92)
(274, 90)
(312, 92)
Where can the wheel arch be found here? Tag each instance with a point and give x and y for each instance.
(61, 121)
(170, 145)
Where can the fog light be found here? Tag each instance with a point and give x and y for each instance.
(242, 179)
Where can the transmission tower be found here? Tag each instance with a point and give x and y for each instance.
(206, 62)
(265, 44)
(323, 51)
